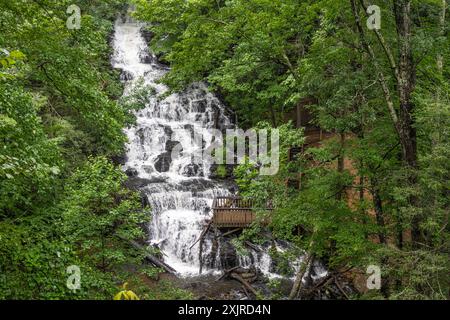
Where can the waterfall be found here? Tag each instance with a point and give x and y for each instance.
(160, 153)
(179, 191)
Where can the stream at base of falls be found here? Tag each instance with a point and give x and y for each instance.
(159, 160)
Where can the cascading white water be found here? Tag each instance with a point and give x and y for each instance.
(179, 190)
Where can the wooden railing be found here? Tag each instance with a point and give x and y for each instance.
(232, 202)
(234, 212)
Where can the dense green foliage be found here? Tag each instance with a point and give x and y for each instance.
(62, 200)
(376, 193)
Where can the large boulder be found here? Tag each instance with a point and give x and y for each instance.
(168, 131)
(126, 76)
(147, 34)
(145, 57)
(199, 106)
(119, 159)
(163, 162)
(170, 145)
(131, 172)
(136, 183)
(148, 169)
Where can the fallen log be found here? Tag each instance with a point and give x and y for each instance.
(246, 292)
(231, 232)
(160, 264)
(340, 288)
(305, 265)
(205, 230)
(322, 284)
(325, 281)
(150, 258)
(252, 246)
(248, 275)
(153, 260)
(245, 283)
(227, 273)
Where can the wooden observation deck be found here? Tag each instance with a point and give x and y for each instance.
(233, 212)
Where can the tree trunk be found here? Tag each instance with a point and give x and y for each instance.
(399, 229)
(273, 116)
(299, 115)
(405, 74)
(153, 260)
(379, 215)
(405, 86)
(341, 165)
(299, 277)
(406, 81)
(440, 59)
(364, 215)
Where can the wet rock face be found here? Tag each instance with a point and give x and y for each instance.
(228, 256)
(148, 169)
(163, 162)
(210, 261)
(170, 145)
(147, 34)
(119, 159)
(190, 128)
(136, 183)
(131, 172)
(199, 106)
(145, 57)
(141, 134)
(168, 131)
(193, 170)
(144, 200)
(126, 76)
